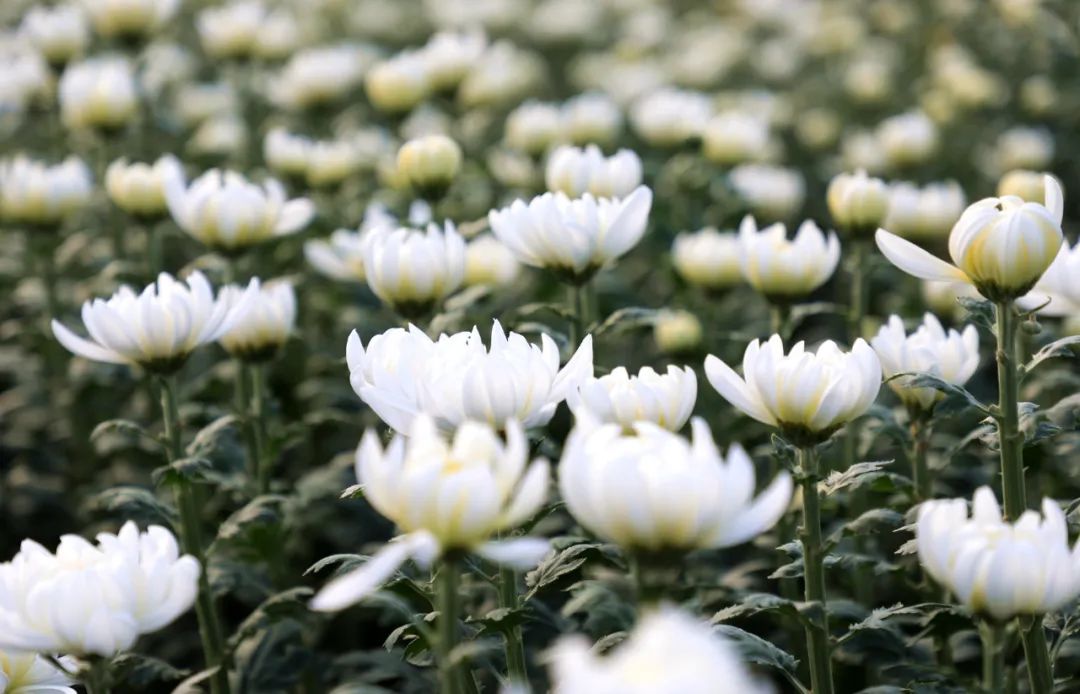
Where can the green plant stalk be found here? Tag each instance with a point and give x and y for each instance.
(516, 665)
(95, 677)
(920, 447)
(1010, 438)
(1040, 669)
(855, 317)
(449, 583)
(817, 636)
(993, 657)
(579, 308)
(258, 425)
(154, 248)
(243, 409)
(1011, 444)
(192, 542)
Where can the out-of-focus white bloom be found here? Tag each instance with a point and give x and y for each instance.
(653, 490)
(341, 257)
(533, 127)
(1024, 148)
(806, 395)
(231, 30)
(862, 150)
(129, 18)
(26, 79)
(504, 74)
(286, 153)
(574, 238)
(925, 213)
(490, 263)
(1024, 184)
(676, 332)
(665, 399)
(1039, 95)
(669, 117)
(857, 202)
(456, 378)
(907, 139)
(156, 329)
(164, 65)
(450, 56)
(430, 164)
(708, 258)
(445, 496)
(261, 318)
(60, 33)
(279, 36)
(195, 103)
(412, 270)
(577, 171)
(668, 651)
(818, 129)
(35, 193)
(319, 76)
(734, 137)
(138, 188)
(781, 269)
(29, 673)
(773, 192)
(942, 297)
(564, 21)
(995, 568)
(951, 356)
(220, 135)
(98, 93)
(398, 84)
(100, 598)
(869, 81)
(329, 162)
(1000, 245)
(591, 118)
(1057, 293)
(228, 213)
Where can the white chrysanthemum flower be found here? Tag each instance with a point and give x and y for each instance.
(576, 171)
(996, 568)
(668, 651)
(708, 258)
(1002, 246)
(156, 329)
(806, 395)
(488, 262)
(60, 33)
(98, 93)
(29, 673)
(574, 238)
(665, 400)
(784, 270)
(928, 212)
(129, 18)
(403, 373)
(445, 496)
(951, 356)
(773, 192)
(669, 117)
(412, 270)
(37, 194)
(99, 598)
(261, 319)
(226, 212)
(139, 189)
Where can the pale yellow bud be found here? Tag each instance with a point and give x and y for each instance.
(857, 202)
(677, 331)
(430, 164)
(398, 84)
(1027, 185)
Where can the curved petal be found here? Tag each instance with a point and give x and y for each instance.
(734, 390)
(763, 514)
(519, 553)
(84, 348)
(354, 586)
(916, 261)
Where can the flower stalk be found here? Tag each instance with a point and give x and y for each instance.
(95, 676)
(449, 583)
(1040, 668)
(516, 665)
(817, 635)
(262, 462)
(993, 656)
(191, 539)
(919, 427)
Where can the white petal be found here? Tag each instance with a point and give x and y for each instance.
(916, 261)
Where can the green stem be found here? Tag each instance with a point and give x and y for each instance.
(857, 303)
(778, 319)
(516, 665)
(243, 409)
(1008, 417)
(1040, 669)
(449, 580)
(817, 635)
(920, 446)
(154, 249)
(95, 677)
(993, 657)
(578, 309)
(191, 539)
(258, 424)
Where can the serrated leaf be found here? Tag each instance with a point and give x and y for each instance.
(559, 564)
(855, 476)
(624, 319)
(980, 311)
(288, 604)
(188, 470)
(143, 671)
(876, 520)
(757, 650)
(125, 427)
(957, 398)
(135, 503)
(343, 563)
(1057, 348)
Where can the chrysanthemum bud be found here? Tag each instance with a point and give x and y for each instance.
(430, 164)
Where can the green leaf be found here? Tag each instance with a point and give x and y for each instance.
(344, 563)
(860, 475)
(135, 503)
(980, 311)
(758, 651)
(143, 671)
(125, 427)
(190, 470)
(1057, 348)
(559, 564)
(876, 520)
(288, 604)
(757, 603)
(255, 530)
(957, 398)
(624, 319)
(273, 660)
